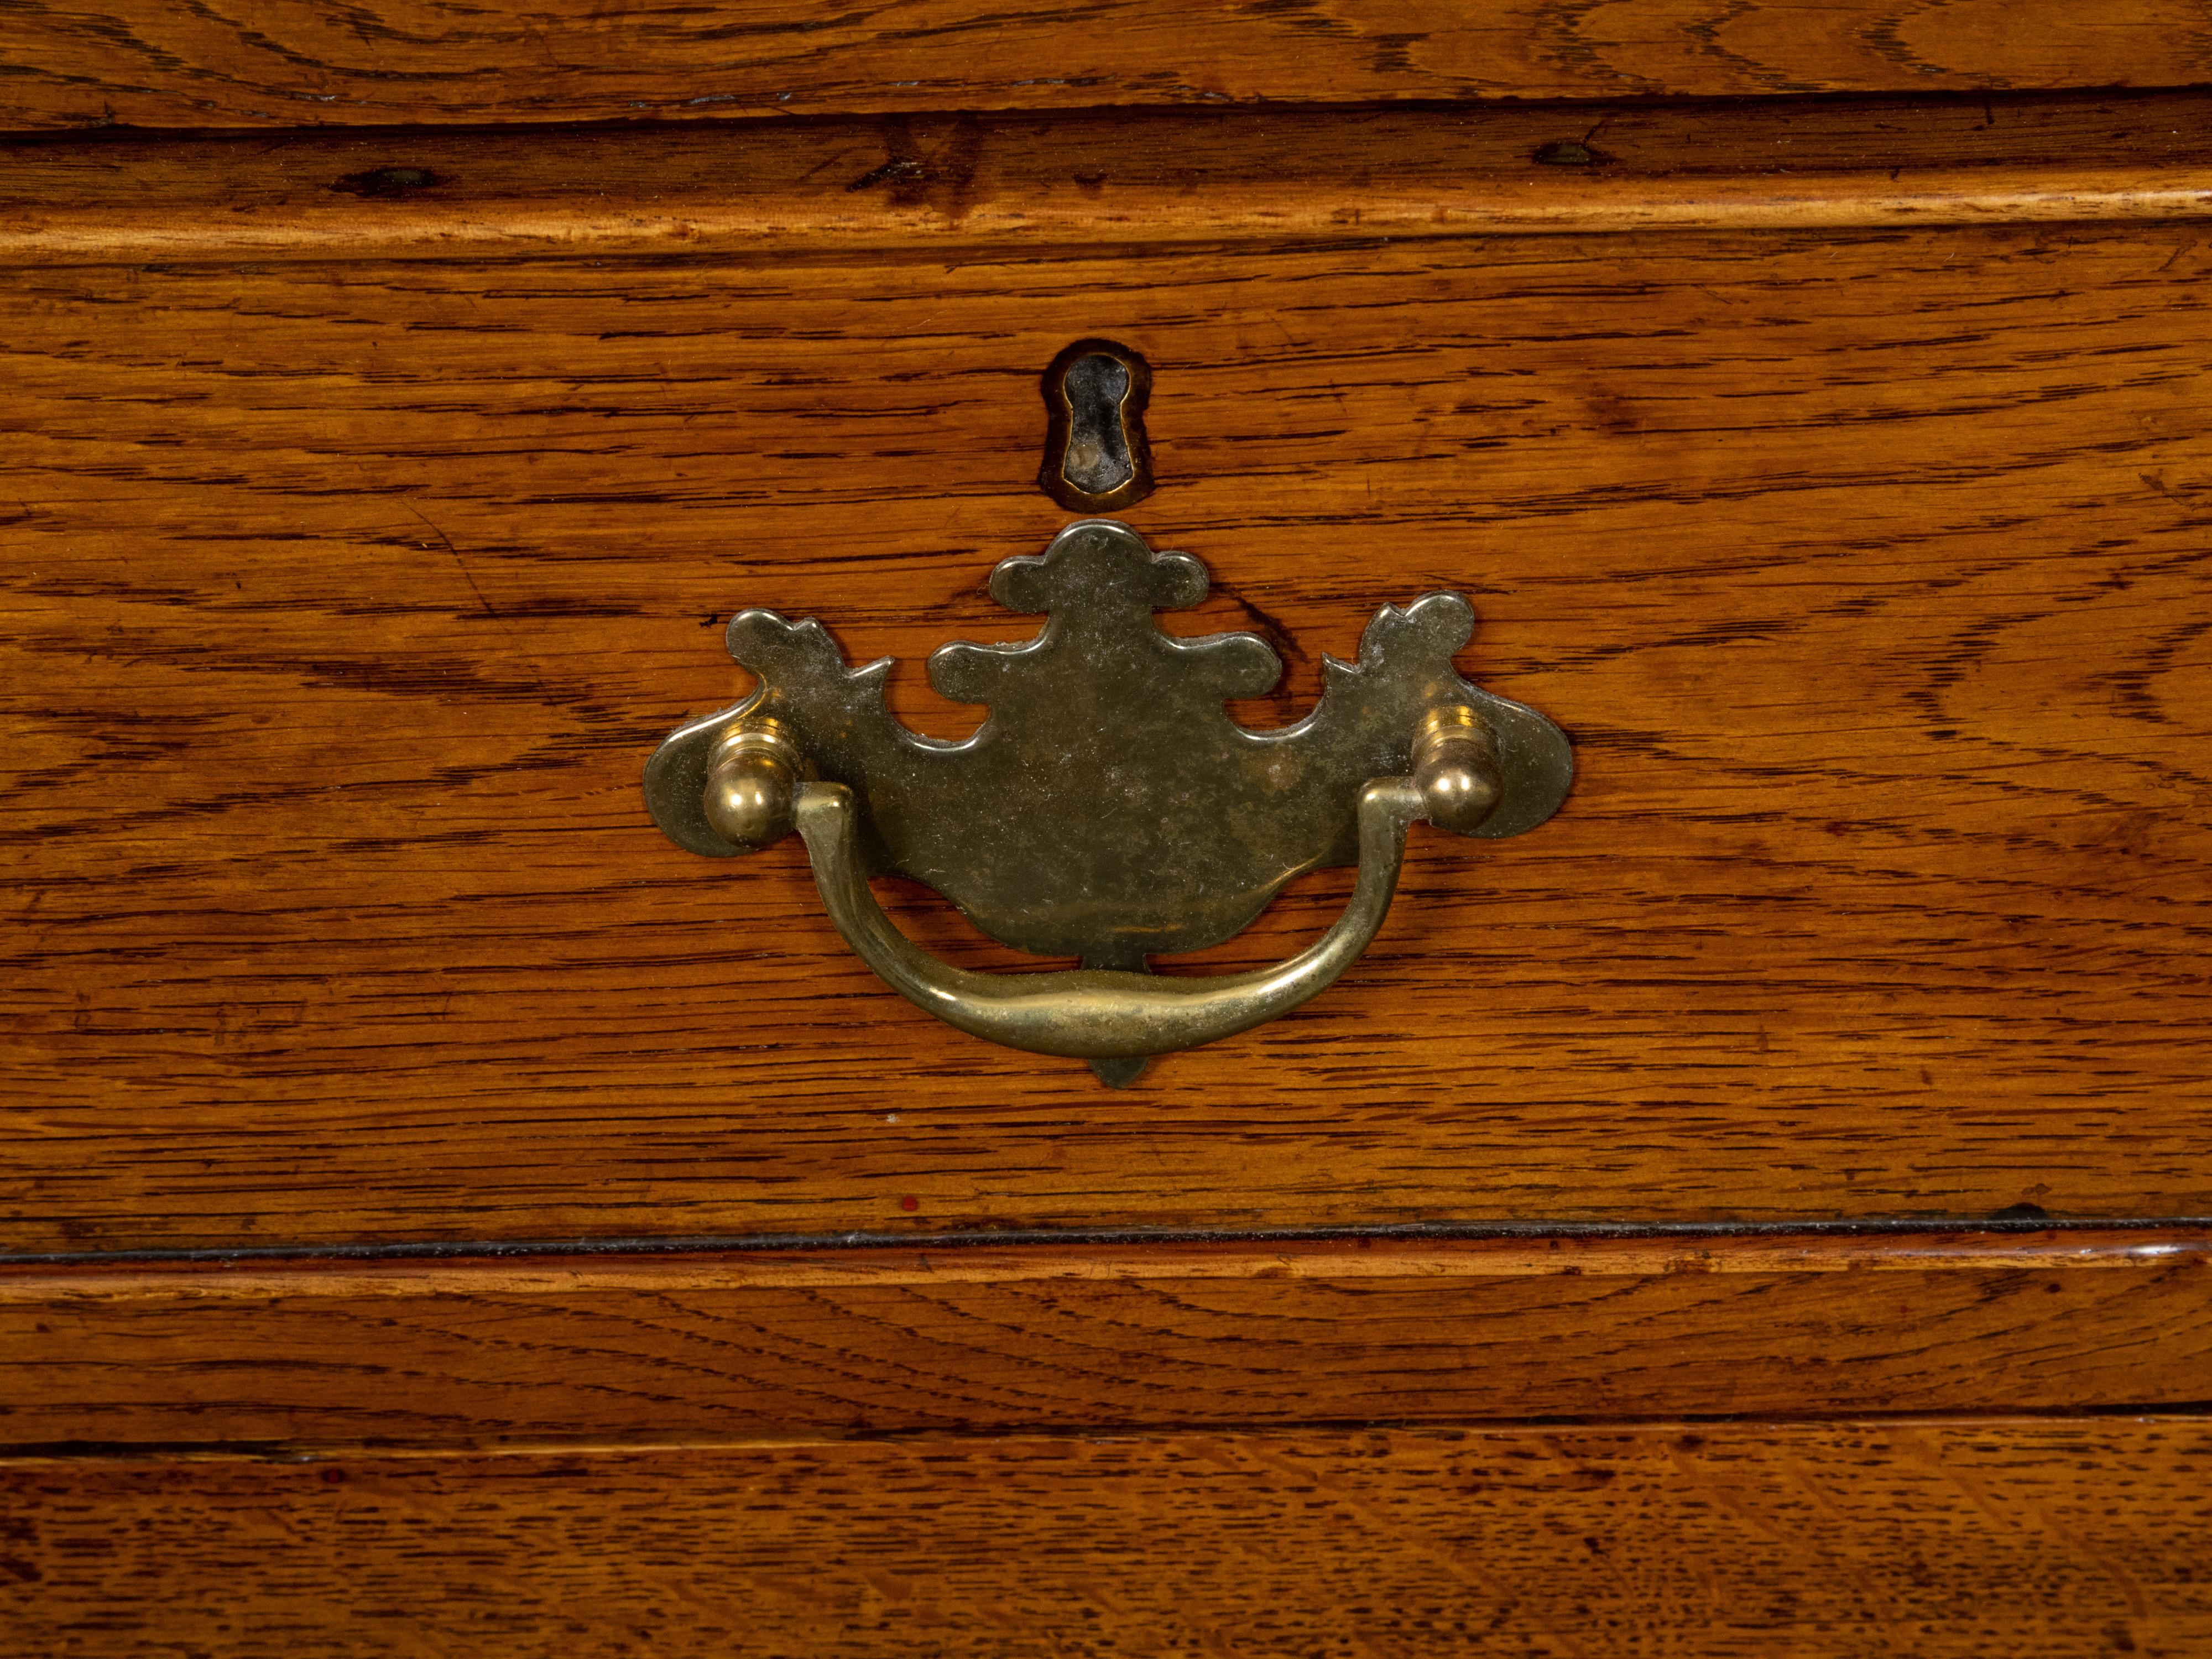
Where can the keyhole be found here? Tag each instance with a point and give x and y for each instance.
(1095, 454)
(1097, 457)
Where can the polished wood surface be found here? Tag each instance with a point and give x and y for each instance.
(996, 1258)
(305, 62)
(981, 1339)
(948, 183)
(1836, 473)
(1998, 1537)
(1867, 571)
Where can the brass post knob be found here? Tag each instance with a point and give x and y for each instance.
(752, 782)
(1455, 770)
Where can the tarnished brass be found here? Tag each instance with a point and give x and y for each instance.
(1107, 808)
(1455, 770)
(1096, 458)
(1102, 1014)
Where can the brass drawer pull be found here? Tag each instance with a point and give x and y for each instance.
(1108, 808)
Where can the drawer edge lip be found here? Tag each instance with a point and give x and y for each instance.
(2173, 1418)
(1421, 1250)
(778, 231)
(1093, 179)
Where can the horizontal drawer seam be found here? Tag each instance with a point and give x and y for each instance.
(1321, 1254)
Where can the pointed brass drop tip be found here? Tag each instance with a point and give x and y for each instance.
(1120, 1074)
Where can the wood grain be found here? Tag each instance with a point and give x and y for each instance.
(972, 1338)
(298, 63)
(943, 185)
(1867, 572)
(1998, 1538)
(1002, 1259)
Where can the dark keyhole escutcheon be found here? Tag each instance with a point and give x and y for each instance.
(1096, 456)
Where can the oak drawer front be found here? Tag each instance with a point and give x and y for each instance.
(1765, 1206)
(1864, 568)
(1735, 1540)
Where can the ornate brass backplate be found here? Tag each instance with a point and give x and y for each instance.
(1108, 808)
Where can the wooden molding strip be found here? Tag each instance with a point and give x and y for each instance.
(186, 1462)
(1350, 1258)
(931, 185)
(981, 1341)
